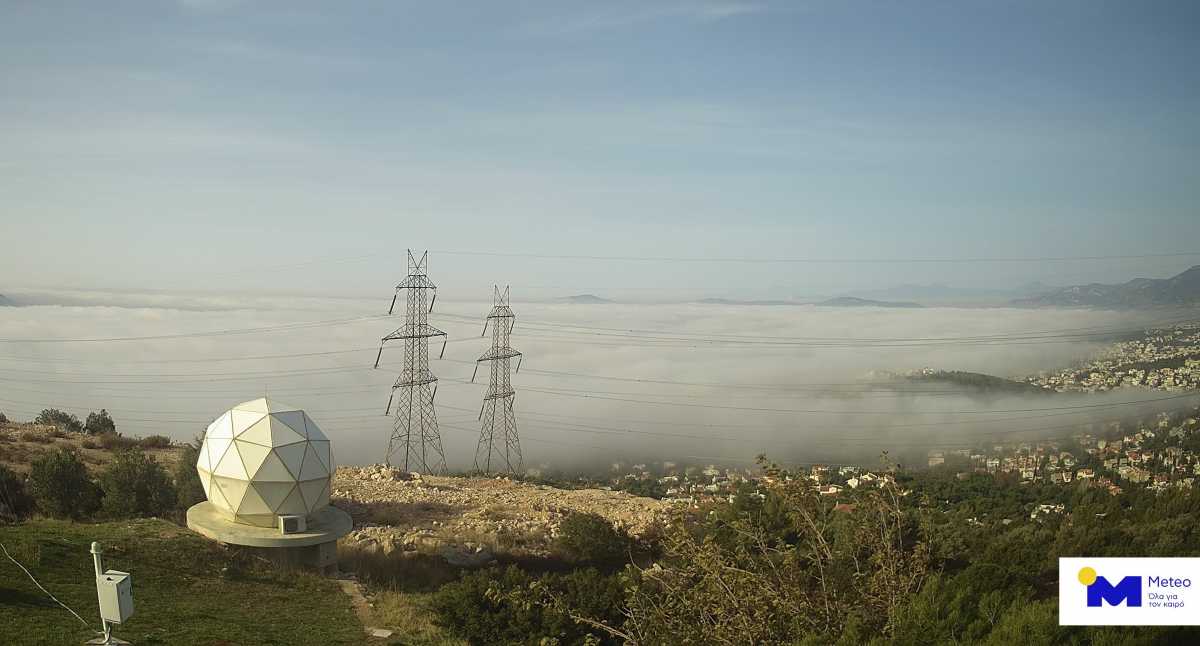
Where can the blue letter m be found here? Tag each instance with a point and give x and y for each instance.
(1128, 590)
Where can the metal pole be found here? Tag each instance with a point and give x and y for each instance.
(96, 552)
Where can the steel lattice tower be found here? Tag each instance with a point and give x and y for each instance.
(499, 423)
(415, 430)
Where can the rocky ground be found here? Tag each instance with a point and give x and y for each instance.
(468, 520)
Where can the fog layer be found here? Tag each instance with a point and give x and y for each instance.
(599, 383)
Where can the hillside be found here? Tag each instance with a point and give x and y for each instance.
(1182, 289)
(187, 590)
(941, 294)
(6, 301)
(976, 382)
(21, 444)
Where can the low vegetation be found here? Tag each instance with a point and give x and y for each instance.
(15, 501)
(59, 483)
(589, 538)
(187, 590)
(188, 490)
(783, 565)
(136, 485)
(488, 607)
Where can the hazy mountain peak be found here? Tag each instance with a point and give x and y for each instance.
(1181, 289)
(584, 299)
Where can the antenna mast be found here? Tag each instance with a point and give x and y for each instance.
(498, 433)
(415, 430)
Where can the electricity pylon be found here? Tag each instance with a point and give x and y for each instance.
(498, 433)
(415, 429)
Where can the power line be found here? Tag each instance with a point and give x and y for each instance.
(1024, 338)
(211, 333)
(831, 260)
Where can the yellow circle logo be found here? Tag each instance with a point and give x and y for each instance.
(1087, 576)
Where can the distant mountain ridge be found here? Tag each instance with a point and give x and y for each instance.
(853, 301)
(840, 301)
(584, 299)
(730, 301)
(6, 301)
(1182, 289)
(941, 294)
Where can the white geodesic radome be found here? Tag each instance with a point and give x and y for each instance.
(263, 459)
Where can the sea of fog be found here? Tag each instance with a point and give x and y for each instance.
(599, 383)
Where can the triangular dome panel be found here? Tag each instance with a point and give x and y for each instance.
(202, 463)
(231, 466)
(217, 447)
(321, 449)
(312, 467)
(313, 491)
(274, 493)
(220, 427)
(260, 433)
(254, 405)
(283, 433)
(274, 406)
(215, 496)
(206, 482)
(232, 490)
(252, 503)
(294, 419)
(292, 456)
(293, 504)
(314, 431)
(252, 455)
(244, 419)
(271, 469)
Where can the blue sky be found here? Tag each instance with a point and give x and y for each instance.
(188, 145)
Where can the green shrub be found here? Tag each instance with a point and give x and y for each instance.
(59, 484)
(3, 418)
(135, 484)
(115, 442)
(590, 538)
(99, 423)
(63, 420)
(14, 500)
(188, 490)
(489, 607)
(155, 442)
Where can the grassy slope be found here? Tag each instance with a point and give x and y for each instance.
(408, 613)
(180, 593)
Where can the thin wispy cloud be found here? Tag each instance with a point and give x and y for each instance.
(617, 16)
(209, 5)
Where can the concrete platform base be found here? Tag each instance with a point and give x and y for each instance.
(111, 641)
(315, 548)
